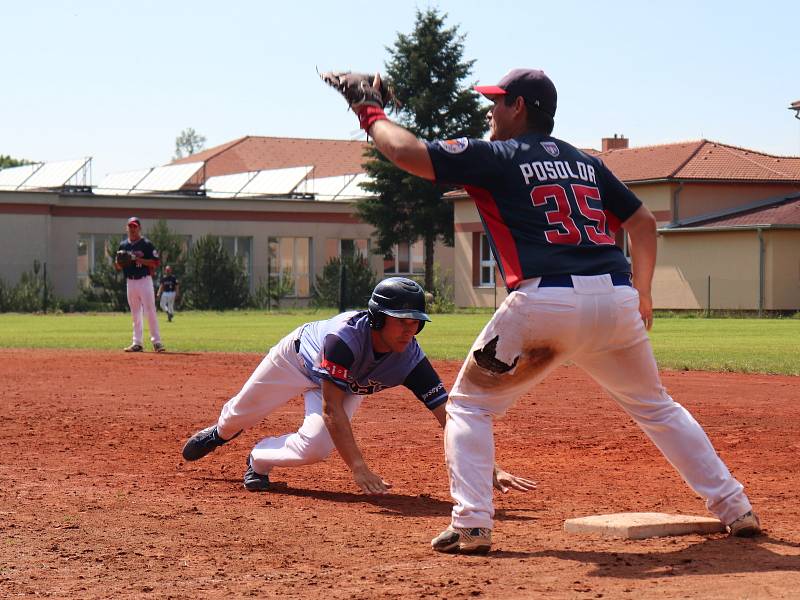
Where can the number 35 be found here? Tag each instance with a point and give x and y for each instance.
(593, 219)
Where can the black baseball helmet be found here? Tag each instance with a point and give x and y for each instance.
(397, 297)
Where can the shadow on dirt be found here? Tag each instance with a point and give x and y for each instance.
(703, 558)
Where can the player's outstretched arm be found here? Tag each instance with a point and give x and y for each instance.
(342, 435)
(402, 148)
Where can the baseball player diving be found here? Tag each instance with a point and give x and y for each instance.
(333, 364)
(550, 212)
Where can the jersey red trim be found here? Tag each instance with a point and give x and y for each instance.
(500, 233)
(335, 371)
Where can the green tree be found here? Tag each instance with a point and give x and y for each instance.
(359, 281)
(7, 162)
(214, 280)
(429, 75)
(172, 247)
(107, 288)
(188, 142)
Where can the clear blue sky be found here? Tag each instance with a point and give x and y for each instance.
(118, 80)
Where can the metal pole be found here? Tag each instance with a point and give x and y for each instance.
(708, 298)
(760, 272)
(269, 281)
(44, 287)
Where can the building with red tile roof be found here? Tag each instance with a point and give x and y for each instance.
(256, 153)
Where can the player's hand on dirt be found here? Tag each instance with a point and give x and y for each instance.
(646, 309)
(370, 483)
(505, 481)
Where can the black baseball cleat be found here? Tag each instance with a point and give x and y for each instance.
(255, 482)
(201, 443)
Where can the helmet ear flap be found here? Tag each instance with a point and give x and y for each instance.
(420, 326)
(376, 319)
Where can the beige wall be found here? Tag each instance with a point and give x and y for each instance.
(697, 199)
(782, 258)
(51, 235)
(657, 197)
(687, 259)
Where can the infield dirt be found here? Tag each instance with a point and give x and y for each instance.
(96, 502)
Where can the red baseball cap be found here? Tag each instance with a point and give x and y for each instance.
(134, 220)
(533, 85)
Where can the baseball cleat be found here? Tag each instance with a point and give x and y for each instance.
(201, 443)
(134, 348)
(159, 347)
(255, 482)
(463, 540)
(748, 525)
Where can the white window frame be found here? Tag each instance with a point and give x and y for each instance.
(484, 244)
(295, 274)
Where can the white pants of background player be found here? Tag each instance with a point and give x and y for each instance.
(279, 378)
(597, 326)
(168, 302)
(142, 299)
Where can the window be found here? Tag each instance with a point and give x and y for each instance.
(405, 258)
(335, 248)
(487, 263)
(93, 248)
(291, 256)
(240, 246)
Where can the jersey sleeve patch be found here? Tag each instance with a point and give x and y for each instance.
(456, 146)
(336, 371)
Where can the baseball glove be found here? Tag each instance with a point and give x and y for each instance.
(360, 89)
(124, 258)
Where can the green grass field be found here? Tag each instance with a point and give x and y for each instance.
(743, 345)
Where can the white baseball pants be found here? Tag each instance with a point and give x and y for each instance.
(168, 302)
(279, 378)
(597, 326)
(142, 298)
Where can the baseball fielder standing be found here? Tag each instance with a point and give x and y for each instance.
(142, 260)
(550, 212)
(333, 363)
(168, 289)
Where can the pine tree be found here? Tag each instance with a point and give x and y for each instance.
(428, 72)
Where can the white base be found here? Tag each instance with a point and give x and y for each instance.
(637, 526)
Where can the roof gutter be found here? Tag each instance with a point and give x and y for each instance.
(701, 229)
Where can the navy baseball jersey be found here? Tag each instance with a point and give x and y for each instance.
(168, 283)
(340, 350)
(141, 248)
(547, 207)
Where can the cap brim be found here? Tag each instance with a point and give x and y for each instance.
(489, 90)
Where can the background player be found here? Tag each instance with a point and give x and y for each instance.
(333, 363)
(550, 212)
(140, 285)
(168, 289)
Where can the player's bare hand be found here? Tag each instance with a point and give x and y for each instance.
(505, 481)
(646, 309)
(370, 483)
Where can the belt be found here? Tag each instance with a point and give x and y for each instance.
(138, 276)
(566, 280)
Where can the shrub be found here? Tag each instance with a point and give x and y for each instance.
(270, 292)
(214, 280)
(359, 281)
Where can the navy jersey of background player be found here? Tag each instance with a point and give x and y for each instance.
(547, 207)
(340, 350)
(168, 283)
(141, 248)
